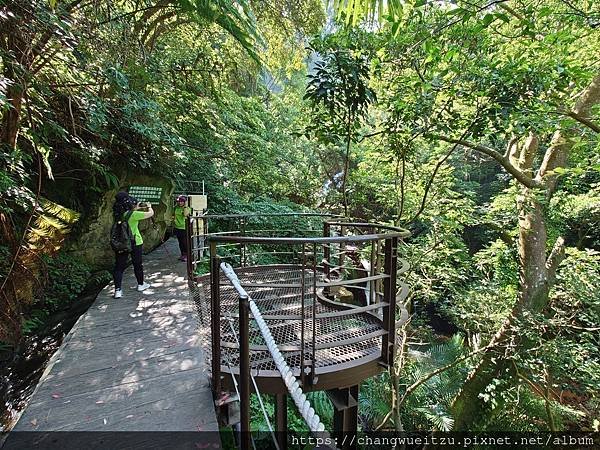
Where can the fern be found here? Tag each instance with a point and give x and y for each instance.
(25, 276)
(374, 400)
(428, 407)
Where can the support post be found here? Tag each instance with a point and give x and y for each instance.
(243, 244)
(313, 370)
(244, 378)
(215, 319)
(302, 304)
(372, 261)
(281, 420)
(345, 415)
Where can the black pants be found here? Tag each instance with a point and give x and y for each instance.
(121, 264)
(181, 238)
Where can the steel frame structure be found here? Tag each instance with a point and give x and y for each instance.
(330, 295)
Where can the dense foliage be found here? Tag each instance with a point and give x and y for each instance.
(473, 124)
(93, 91)
(485, 144)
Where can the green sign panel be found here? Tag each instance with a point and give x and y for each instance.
(148, 194)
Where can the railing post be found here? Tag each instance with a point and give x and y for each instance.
(215, 319)
(326, 252)
(342, 250)
(302, 305)
(204, 234)
(191, 254)
(372, 284)
(387, 292)
(243, 244)
(244, 378)
(393, 288)
(313, 376)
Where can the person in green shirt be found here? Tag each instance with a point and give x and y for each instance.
(179, 215)
(128, 208)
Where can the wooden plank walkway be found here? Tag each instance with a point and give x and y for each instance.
(132, 364)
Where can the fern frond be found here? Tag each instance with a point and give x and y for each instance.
(65, 215)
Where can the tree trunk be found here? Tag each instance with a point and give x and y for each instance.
(12, 117)
(347, 164)
(533, 295)
(536, 271)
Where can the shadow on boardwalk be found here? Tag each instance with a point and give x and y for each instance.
(132, 364)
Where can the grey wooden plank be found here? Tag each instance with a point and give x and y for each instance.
(129, 364)
(107, 409)
(105, 356)
(65, 403)
(69, 382)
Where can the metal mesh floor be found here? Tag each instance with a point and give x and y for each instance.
(338, 340)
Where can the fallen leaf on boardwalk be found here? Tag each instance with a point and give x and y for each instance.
(129, 416)
(99, 402)
(56, 395)
(33, 422)
(105, 421)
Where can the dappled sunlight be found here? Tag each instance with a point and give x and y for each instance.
(126, 360)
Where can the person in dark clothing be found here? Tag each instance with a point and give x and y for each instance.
(127, 208)
(179, 216)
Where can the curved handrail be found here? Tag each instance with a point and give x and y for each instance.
(239, 216)
(306, 240)
(405, 232)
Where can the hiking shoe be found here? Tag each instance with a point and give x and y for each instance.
(118, 293)
(183, 258)
(142, 287)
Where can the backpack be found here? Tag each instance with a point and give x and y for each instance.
(121, 238)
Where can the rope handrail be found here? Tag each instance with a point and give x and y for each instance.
(302, 403)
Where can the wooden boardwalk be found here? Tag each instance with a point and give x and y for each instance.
(132, 364)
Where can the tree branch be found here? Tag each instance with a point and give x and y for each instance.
(584, 120)
(430, 375)
(528, 151)
(511, 11)
(557, 153)
(510, 148)
(504, 162)
(555, 258)
(504, 235)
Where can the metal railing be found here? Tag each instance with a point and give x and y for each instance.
(199, 228)
(331, 297)
(247, 307)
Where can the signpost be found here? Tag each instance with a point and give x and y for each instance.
(146, 194)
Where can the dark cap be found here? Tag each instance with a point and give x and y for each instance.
(121, 196)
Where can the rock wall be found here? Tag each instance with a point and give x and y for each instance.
(93, 244)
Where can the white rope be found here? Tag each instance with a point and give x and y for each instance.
(302, 403)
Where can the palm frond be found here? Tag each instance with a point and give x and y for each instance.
(439, 417)
(354, 11)
(233, 16)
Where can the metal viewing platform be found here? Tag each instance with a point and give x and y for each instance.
(328, 290)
